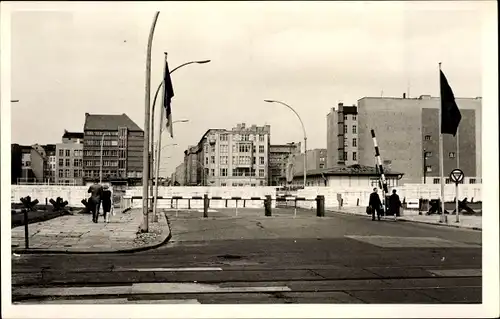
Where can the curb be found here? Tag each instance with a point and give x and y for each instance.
(401, 219)
(116, 251)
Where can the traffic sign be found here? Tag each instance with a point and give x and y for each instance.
(457, 175)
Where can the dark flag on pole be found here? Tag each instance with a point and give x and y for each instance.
(450, 114)
(167, 99)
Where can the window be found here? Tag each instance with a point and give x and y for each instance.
(61, 173)
(261, 148)
(68, 162)
(435, 181)
(222, 184)
(212, 159)
(261, 160)
(354, 117)
(223, 137)
(427, 137)
(345, 156)
(261, 183)
(428, 168)
(244, 148)
(261, 172)
(345, 129)
(321, 165)
(354, 129)
(224, 148)
(75, 153)
(223, 172)
(261, 138)
(212, 172)
(354, 142)
(114, 143)
(428, 154)
(66, 173)
(354, 156)
(245, 137)
(472, 181)
(206, 160)
(61, 153)
(76, 162)
(345, 117)
(68, 153)
(223, 160)
(235, 160)
(452, 154)
(61, 162)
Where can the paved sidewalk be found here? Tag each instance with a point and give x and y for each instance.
(466, 221)
(78, 234)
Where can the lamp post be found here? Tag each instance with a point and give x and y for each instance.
(158, 91)
(305, 135)
(147, 108)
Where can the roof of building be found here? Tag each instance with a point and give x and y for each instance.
(350, 110)
(356, 170)
(110, 122)
(72, 134)
(50, 147)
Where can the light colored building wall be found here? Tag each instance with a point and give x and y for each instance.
(332, 141)
(399, 127)
(69, 163)
(316, 159)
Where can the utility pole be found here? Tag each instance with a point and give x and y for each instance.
(147, 115)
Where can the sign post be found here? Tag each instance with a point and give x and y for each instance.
(457, 176)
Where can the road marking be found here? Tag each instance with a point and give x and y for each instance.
(141, 288)
(457, 272)
(178, 269)
(110, 301)
(413, 242)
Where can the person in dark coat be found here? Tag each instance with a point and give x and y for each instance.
(375, 204)
(106, 202)
(95, 191)
(395, 204)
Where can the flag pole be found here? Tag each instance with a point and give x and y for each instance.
(158, 146)
(441, 153)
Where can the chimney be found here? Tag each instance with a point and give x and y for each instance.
(87, 114)
(341, 104)
(404, 95)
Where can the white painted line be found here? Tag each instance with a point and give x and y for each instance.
(457, 272)
(178, 269)
(142, 288)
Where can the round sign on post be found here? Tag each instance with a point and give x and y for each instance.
(457, 175)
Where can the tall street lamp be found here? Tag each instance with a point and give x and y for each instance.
(158, 91)
(305, 136)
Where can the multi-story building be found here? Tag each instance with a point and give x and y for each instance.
(122, 149)
(236, 157)
(316, 159)
(179, 176)
(32, 164)
(69, 159)
(342, 136)
(50, 163)
(278, 159)
(407, 127)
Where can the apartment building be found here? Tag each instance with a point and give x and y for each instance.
(316, 159)
(122, 143)
(32, 164)
(236, 157)
(69, 159)
(342, 136)
(278, 159)
(408, 128)
(179, 176)
(50, 163)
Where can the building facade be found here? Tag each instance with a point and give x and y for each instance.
(50, 163)
(236, 157)
(316, 159)
(407, 127)
(179, 176)
(69, 159)
(122, 148)
(278, 159)
(32, 164)
(342, 136)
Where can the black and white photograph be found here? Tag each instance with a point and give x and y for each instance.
(274, 159)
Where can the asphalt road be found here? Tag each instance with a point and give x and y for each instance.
(251, 258)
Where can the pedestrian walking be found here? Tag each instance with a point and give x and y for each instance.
(395, 204)
(106, 203)
(95, 191)
(375, 204)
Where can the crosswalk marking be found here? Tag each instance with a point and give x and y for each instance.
(141, 288)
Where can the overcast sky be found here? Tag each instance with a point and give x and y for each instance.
(310, 55)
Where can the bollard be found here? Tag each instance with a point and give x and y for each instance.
(320, 206)
(236, 208)
(357, 202)
(268, 205)
(46, 204)
(244, 203)
(205, 205)
(26, 233)
(176, 208)
(189, 203)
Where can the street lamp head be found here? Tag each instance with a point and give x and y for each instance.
(269, 101)
(203, 61)
(183, 121)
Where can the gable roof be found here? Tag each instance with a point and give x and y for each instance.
(72, 134)
(109, 122)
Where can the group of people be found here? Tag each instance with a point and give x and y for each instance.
(375, 204)
(100, 196)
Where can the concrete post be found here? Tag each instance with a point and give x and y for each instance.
(320, 206)
(268, 205)
(205, 205)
